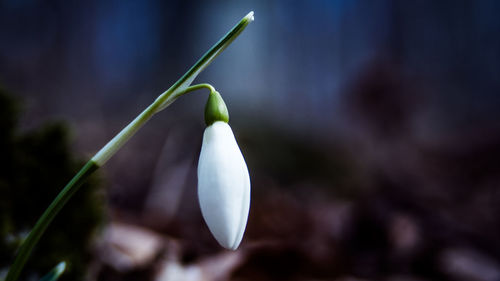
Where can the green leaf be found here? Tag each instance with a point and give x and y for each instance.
(55, 273)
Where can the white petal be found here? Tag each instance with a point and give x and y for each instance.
(223, 185)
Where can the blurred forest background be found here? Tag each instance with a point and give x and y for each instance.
(371, 131)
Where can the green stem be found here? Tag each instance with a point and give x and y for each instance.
(179, 88)
(197, 87)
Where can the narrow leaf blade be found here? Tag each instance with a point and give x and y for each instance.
(55, 273)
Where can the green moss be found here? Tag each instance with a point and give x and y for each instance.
(33, 169)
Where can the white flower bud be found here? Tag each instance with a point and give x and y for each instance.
(223, 185)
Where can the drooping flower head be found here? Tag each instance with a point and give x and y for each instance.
(223, 179)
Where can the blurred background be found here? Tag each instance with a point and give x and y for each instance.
(370, 128)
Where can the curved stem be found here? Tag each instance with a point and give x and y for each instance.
(179, 88)
(197, 87)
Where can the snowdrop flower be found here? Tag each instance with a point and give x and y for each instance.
(223, 180)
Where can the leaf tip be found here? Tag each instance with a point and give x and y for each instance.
(249, 17)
